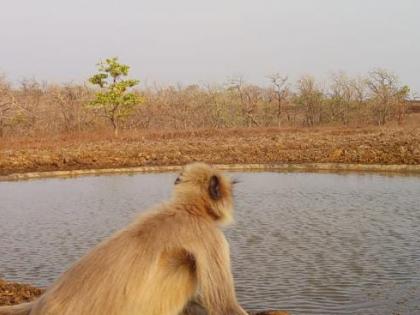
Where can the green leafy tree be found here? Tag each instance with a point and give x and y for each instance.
(114, 100)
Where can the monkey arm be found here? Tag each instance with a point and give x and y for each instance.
(215, 281)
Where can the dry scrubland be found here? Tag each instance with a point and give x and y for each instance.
(345, 120)
(350, 120)
(373, 145)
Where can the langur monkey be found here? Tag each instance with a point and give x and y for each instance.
(166, 262)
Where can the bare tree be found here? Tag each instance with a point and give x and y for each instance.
(217, 106)
(29, 101)
(281, 93)
(6, 103)
(311, 99)
(346, 94)
(248, 98)
(387, 96)
(70, 100)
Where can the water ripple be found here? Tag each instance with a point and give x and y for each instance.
(309, 243)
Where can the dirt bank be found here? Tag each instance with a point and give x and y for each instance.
(15, 293)
(386, 146)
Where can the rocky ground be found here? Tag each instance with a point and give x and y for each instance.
(385, 145)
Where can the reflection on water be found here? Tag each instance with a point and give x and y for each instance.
(309, 243)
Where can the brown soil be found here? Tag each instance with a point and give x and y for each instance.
(386, 145)
(15, 293)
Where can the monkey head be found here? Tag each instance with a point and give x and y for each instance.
(203, 185)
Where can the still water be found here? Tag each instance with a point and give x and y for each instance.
(311, 243)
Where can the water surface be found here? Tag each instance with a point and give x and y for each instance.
(311, 243)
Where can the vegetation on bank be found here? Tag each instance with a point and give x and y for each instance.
(108, 123)
(113, 101)
(109, 102)
(372, 145)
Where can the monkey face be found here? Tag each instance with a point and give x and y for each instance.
(201, 181)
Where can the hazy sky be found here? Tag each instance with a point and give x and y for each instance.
(193, 40)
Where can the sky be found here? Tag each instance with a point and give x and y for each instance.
(195, 41)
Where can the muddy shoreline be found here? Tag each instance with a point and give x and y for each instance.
(304, 167)
(323, 149)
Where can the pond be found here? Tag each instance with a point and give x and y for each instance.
(311, 243)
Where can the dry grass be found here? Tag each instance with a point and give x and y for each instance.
(48, 128)
(370, 145)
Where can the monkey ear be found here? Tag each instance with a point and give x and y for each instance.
(177, 181)
(214, 187)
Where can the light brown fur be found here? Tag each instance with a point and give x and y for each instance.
(167, 258)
